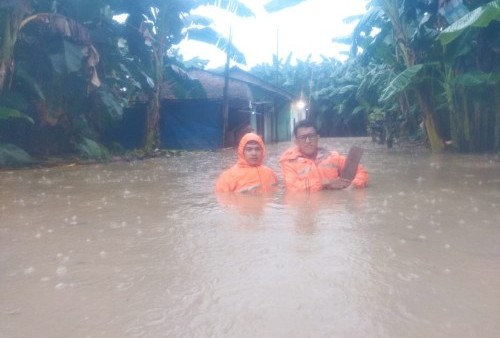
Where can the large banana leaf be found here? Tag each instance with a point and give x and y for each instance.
(113, 105)
(68, 29)
(60, 25)
(68, 59)
(278, 5)
(480, 17)
(90, 149)
(233, 6)
(210, 36)
(28, 84)
(9, 113)
(401, 82)
(476, 78)
(13, 156)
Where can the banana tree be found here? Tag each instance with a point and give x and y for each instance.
(410, 29)
(153, 27)
(63, 77)
(11, 15)
(473, 89)
(45, 53)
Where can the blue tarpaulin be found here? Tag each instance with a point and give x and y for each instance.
(191, 125)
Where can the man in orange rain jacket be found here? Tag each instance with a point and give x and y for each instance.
(307, 167)
(248, 175)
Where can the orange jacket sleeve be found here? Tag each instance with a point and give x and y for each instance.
(224, 183)
(361, 178)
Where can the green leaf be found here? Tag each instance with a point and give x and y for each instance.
(29, 83)
(9, 113)
(347, 89)
(357, 110)
(13, 156)
(476, 78)
(90, 149)
(480, 17)
(67, 60)
(113, 107)
(401, 82)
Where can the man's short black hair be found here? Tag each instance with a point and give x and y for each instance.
(304, 124)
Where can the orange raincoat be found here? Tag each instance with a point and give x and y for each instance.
(303, 174)
(245, 178)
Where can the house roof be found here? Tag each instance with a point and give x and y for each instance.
(240, 74)
(213, 84)
(242, 86)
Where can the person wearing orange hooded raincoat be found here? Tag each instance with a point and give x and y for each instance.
(307, 167)
(248, 175)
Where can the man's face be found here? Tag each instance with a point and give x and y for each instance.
(253, 153)
(307, 141)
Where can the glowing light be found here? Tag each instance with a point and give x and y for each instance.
(120, 18)
(300, 104)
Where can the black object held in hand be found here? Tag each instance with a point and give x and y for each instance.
(351, 163)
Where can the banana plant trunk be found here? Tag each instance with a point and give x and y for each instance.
(152, 135)
(152, 122)
(435, 140)
(496, 101)
(9, 35)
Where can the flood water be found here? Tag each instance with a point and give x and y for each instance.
(145, 249)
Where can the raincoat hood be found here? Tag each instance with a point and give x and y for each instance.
(242, 162)
(245, 178)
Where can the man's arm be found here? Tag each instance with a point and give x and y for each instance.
(339, 161)
(223, 183)
(361, 178)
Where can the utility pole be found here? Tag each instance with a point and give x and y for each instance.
(309, 100)
(277, 65)
(278, 42)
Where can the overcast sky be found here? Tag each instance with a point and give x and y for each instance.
(305, 29)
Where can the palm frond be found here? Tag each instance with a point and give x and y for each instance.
(210, 36)
(279, 5)
(9, 113)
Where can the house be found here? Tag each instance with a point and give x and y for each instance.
(195, 119)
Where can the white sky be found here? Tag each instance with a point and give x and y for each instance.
(305, 29)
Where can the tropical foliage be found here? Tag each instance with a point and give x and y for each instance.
(68, 69)
(443, 61)
(417, 69)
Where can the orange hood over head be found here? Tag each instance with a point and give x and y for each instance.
(242, 162)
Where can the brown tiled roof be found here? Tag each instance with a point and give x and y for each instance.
(240, 88)
(214, 85)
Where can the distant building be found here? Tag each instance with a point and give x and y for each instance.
(192, 110)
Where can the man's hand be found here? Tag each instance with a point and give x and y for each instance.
(339, 183)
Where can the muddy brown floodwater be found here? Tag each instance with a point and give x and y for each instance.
(145, 249)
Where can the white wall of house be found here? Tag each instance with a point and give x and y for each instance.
(297, 114)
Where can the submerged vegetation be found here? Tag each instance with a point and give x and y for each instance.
(423, 71)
